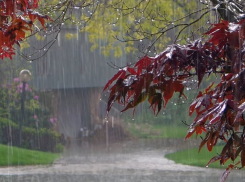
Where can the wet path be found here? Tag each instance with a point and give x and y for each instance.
(136, 161)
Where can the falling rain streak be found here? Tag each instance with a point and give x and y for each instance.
(75, 49)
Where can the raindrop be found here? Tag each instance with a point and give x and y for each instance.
(76, 7)
(133, 119)
(163, 113)
(45, 49)
(114, 24)
(152, 20)
(140, 40)
(206, 166)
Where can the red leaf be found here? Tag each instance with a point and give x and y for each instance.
(227, 171)
(131, 71)
(33, 15)
(201, 100)
(156, 100)
(225, 174)
(214, 159)
(130, 105)
(143, 63)
(243, 157)
(190, 133)
(169, 87)
(210, 86)
(20, 34)
(138, 88)
(120, 74)
(204, 141)
(41, 20)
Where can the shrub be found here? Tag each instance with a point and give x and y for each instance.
(59, 148)
(36, 139)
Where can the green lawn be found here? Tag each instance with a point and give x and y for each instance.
(12, 156)
(140, 130)
(192, 157)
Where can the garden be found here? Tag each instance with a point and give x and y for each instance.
(40, 142)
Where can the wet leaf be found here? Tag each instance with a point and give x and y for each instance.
(214, 159)
(119, 74)
(243, 156)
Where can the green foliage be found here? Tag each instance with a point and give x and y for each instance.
(149, 130)
(192, 157)
(133, 21)
(13, 156)
(36, 114)
(43, 139)
(59, 148)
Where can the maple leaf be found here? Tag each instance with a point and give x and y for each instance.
(118, 75)
(33, 15)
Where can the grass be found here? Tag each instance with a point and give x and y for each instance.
(144, 130)
(192, 157)
(13, 156)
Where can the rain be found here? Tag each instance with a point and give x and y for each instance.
(53, 102)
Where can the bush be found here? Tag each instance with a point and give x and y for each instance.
(59, 148)
(42, 139)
